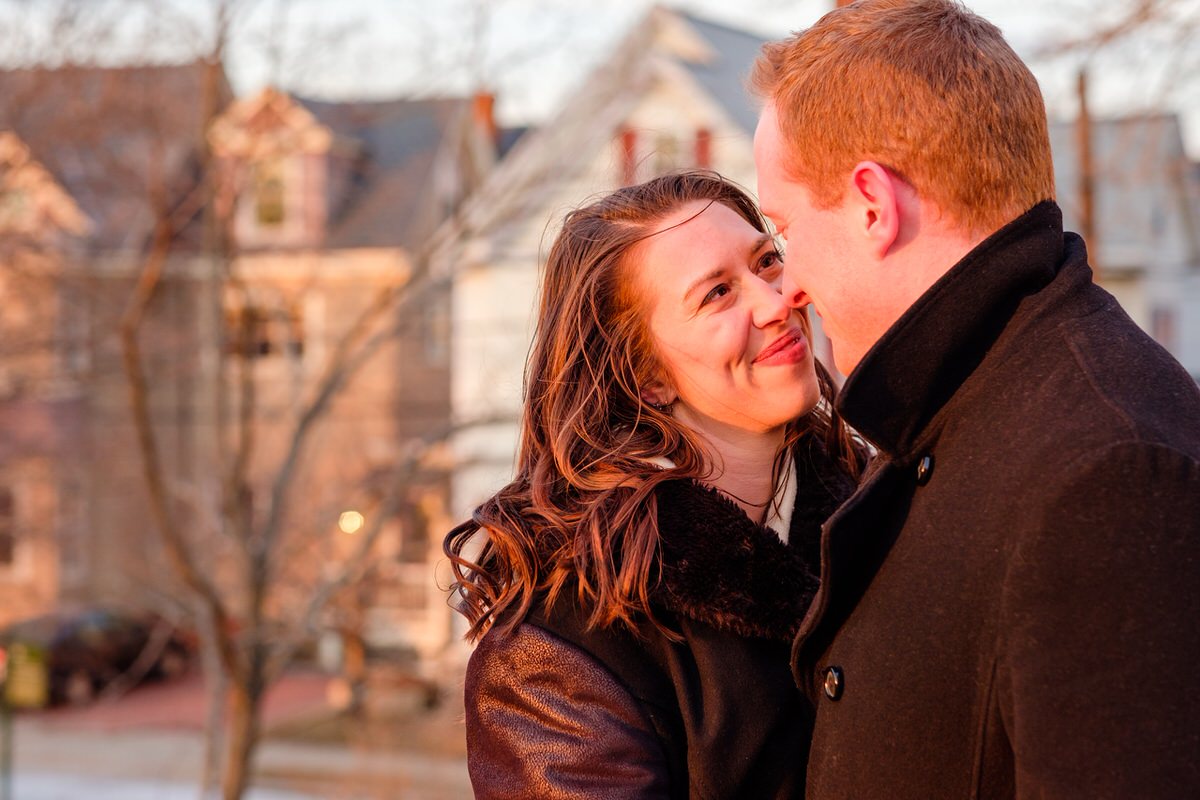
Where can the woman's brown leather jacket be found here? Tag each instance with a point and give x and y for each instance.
(556, 711)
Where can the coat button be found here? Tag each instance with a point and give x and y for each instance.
(834, 682)
(924, 470)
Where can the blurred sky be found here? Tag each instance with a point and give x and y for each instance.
(533, 51)
(530, 52)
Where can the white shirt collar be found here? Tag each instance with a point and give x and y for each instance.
(782, 504)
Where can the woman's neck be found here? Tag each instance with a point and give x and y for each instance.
(742, 463)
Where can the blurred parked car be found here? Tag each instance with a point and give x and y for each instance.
(87, 650)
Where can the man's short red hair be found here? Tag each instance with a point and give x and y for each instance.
(925, 88)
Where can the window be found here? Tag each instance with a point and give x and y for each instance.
(8, 527)
(253, 331)
(71, 557)
(666, 154)
(269, 192)
(414, 536)
(629, 162)
(1158, 220)
(437, 331)
(1162, 327)
(13, 205)
(644, 153)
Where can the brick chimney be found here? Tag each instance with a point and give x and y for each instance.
(703, 155)
(483, 110)
(629, 165)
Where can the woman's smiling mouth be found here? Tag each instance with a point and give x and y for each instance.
(790, 348)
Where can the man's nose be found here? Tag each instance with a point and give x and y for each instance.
(793, 295)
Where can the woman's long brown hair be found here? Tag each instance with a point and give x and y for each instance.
(580, 515)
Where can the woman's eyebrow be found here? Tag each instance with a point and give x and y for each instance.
(759, 242)
(696, 284)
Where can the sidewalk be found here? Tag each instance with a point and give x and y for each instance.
(150, 743)
(73, 787)
(165, 764)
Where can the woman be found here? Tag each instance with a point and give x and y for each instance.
(634, 591)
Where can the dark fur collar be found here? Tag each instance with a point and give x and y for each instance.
(722, 569)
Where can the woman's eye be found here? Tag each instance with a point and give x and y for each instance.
(716, 293)
(769, 260)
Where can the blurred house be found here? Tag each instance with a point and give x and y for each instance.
(332, 204)
(40, 407)
(1146, 201)
(670, 95)
(124, 146)
(319, 207)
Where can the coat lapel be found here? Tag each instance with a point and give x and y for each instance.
(895, 394)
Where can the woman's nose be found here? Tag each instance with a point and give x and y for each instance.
(769, 305)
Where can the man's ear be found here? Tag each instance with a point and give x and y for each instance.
(876, 201)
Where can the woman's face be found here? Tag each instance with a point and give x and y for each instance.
(735, 355)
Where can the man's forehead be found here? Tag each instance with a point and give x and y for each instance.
(768, 124)
(767, 155)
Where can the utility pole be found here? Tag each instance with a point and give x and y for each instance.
(1087, 180)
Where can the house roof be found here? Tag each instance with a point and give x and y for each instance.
(387, 182)
(398, 142)
(113, 136)
(725, 75)
(508, 137)
(1146, 190)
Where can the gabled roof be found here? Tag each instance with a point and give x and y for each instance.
(724, 76)
(389, 149)
(113, 135)
(716, 57)
(32, 203)
(267, 122)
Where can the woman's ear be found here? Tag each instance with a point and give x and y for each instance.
(875, 195)
(658, 394)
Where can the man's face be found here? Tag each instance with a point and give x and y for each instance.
(825, 262)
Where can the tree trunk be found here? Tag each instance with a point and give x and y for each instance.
(216, 684)
(244, 702)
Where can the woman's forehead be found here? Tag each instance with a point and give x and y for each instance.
(701, 231)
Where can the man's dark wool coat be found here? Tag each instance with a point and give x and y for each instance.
(1010, 603)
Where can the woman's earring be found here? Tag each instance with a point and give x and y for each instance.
(650, 396)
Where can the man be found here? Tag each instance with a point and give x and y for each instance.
(1010, 604)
